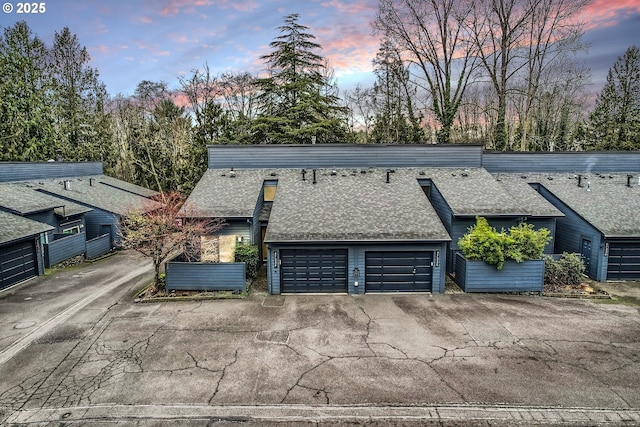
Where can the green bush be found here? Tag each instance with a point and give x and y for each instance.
(250, 255)
(483, 242)
(566, 271)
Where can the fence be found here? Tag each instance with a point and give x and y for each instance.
(98, 246)
(64, 246)
(205, 276)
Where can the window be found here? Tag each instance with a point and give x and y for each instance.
(270, 190)
(71, 230)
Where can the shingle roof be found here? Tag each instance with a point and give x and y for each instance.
(527, 196)
(352, 206)
(92, 192)
(218, 194)
(474, 192)
(603, 200)
(23, 198)
(14, 227)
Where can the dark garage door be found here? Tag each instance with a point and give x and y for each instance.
(624, 261)
(17, 263)
(313, 270)
(398, 271)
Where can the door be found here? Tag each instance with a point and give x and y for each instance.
(313, 270)
(17, 263)
(585, 255)
(624, 260)
(399, 271)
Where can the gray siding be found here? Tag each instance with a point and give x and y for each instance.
(583, 161)
(237, 227)
(478, 276)
(356, 259)
(197, 276)
(442, 208)
(343, 156)
(96, 219)
(23, 171)
(98, 246)
(63, 248)
(570, 231)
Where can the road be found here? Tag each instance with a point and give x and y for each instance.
(493, 360)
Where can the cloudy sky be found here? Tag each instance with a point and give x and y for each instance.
(134, 40)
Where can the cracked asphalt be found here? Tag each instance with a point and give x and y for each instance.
(370, 359)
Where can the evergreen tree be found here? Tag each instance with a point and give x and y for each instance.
(79, 97)
(615, 122)
(26, 116)
(294, 103)
(395, 120)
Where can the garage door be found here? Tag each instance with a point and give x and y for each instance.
(624, 261)
(17, 263)
(398, 271)
(321, 270)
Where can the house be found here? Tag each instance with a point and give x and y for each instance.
(66, 239)
(77, 205)
(20, 248)
(375, 218)
(600, 219)
(461, 195)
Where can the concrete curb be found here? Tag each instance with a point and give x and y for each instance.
(326, 414)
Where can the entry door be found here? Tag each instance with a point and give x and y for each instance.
(585, 255)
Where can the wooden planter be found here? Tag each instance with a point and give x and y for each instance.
(478, 276)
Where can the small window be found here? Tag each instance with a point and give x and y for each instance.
(71, 230)
(270, 191)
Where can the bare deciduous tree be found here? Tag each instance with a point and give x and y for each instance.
(435, 41)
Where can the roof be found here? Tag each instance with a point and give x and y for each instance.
(603, 200)
(92, 191)
(352, 205)
(475, 192)
(527, 196)
(14, 227)
(24, 199)
(123, 185)
(220, 194)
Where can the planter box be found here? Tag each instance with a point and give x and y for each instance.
(478, 276)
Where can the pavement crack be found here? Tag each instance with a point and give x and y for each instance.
(222, 376)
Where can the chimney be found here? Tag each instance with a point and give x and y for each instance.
(629, 180)
(314, 177)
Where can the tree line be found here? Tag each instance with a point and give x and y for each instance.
(504, 73)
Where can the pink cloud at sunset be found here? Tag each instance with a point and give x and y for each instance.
(130, 41)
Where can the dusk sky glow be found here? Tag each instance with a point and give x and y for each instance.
(134, 40)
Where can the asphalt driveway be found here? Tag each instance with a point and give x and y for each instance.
(111, 359)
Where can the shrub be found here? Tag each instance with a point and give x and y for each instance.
(483, 242)
(566, 271)
(250, 255)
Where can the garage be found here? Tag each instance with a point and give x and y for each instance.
(624, 260)
(399, 271)
(313, 270)
(17, 263)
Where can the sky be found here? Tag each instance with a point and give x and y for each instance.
(161, 40)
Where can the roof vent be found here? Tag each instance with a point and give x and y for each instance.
(67, 185)
(232, 173)
(315, 180)
(588, 186)
(90, 182)
(334, 172)
(579, 180)
(274, 173)
(388, 180)
(421, 173)
(304, 173)
(629, 180)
